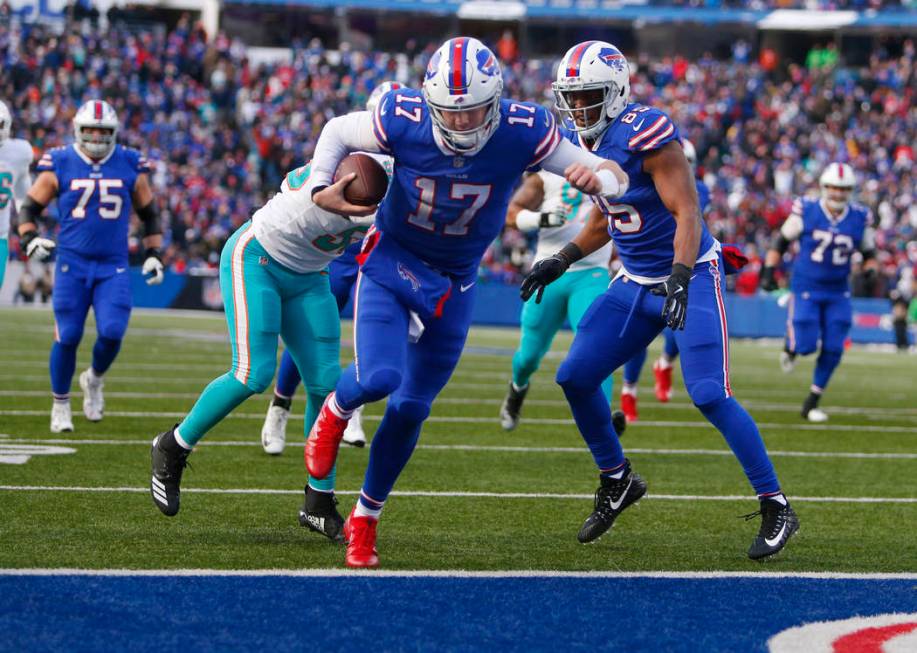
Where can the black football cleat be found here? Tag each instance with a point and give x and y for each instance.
(168, 463)
(512, 406)
(611, 499)
(619, 421)
(778, 523)
(319, 513)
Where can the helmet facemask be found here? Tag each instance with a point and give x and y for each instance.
(836, 198)
(469, 141)
(96, 143)
(565, 101)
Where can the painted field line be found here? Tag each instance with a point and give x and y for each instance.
(537, 421)
(457, 495)
(461, 573)
(4, 438)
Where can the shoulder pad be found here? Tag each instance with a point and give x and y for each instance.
(650, 128)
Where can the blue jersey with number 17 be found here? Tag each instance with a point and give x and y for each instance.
(825, 245)
(94, 201)
(444, 207)
(642, 228)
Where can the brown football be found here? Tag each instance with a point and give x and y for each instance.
(370, 184)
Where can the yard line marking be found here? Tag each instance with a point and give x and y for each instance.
(461, 573)
(462, 495)
(505, 448)
(537, 421)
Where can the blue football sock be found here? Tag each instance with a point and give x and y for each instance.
(63, 365)
(593, 418)
(103, 354)
(825, 365)
(633, 367)
(392, 447)
(741, 433)
(287, 376)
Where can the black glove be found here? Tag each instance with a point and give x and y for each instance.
(767, 281)
(675, 290)
(547, 270)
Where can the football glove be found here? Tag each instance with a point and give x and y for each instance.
(675, 291)
(547, 270)
(768, 281)
(153, 269)
(36, 247)
(531, 220)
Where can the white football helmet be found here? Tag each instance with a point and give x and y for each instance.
(587, 66)
(373, 101)
(837, 183)
(690, 152)
(463, 74)
(6, 122)
(96, 113)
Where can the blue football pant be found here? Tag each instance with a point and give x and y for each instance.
(411, 375)
(342, 278)
(624, 321)
(813, 314)
(110, 300)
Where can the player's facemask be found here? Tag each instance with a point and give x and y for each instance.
(836, 198)
(471, 140)
(584, 105)
(96, 142)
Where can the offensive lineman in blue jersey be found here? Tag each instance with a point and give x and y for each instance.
(829, 230)
(458, 150)
(96, 183)
(662, 367)
(342, 273)
(664, 248)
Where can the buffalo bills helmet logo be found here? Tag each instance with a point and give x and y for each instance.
(612, 58)
(433, 65)
(487, 63)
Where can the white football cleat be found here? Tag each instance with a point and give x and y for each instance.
(93, 401)
(787, 362)
(61, 419)
(353, 434)
(817, 415)
(274, 431)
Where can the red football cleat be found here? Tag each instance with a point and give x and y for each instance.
(324, 441)
(663, 385)
(360, 533)
(629, 406)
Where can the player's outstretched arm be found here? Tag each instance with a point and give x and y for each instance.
(674, 182)
(142, 197)
(587, 172)
(39, 196)
(524, 208)
(340, 137)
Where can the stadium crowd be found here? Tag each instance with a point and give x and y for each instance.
(222, 130)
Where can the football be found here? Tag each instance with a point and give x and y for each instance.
(371, 181)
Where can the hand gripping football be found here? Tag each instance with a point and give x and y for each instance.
(371, 181)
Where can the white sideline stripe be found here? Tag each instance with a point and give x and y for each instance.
(443, 494)
(491, 420)
(461, 573)
(509, 449)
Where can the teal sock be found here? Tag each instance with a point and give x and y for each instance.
(217, 400)
(313, 405)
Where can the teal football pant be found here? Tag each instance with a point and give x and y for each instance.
(264, 300)
(4, 255)
(567, 298)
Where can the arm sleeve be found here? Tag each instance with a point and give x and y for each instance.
(353, 132)
(792, 227)
(566, 153)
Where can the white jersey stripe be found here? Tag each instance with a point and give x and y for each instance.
(240, 306)
(668, 132)
(648, 132)
(724, 329)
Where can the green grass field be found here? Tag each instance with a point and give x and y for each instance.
(473, 496)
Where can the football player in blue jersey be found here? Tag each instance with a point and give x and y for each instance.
(662, 368)
(665, 249)
(342, 273)
(96, 183)
(459, 150)
(829, 230)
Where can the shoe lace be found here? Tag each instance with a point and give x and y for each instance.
(771, 518)
(607, 494)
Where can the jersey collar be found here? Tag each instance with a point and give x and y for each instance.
(88, 159)
(830, 215)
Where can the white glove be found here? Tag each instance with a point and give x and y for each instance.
(153, 269)
(531, 220)
(38, 248)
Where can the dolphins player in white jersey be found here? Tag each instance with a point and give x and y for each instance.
(274, 281)
(15, 158)
(548, 204)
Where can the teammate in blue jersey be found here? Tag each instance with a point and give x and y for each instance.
(829, 230)
(662, 367)
(96, 182)
(459, 151)
(665, 249)
(342, 273)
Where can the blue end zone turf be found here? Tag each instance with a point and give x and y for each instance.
(279, 613)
